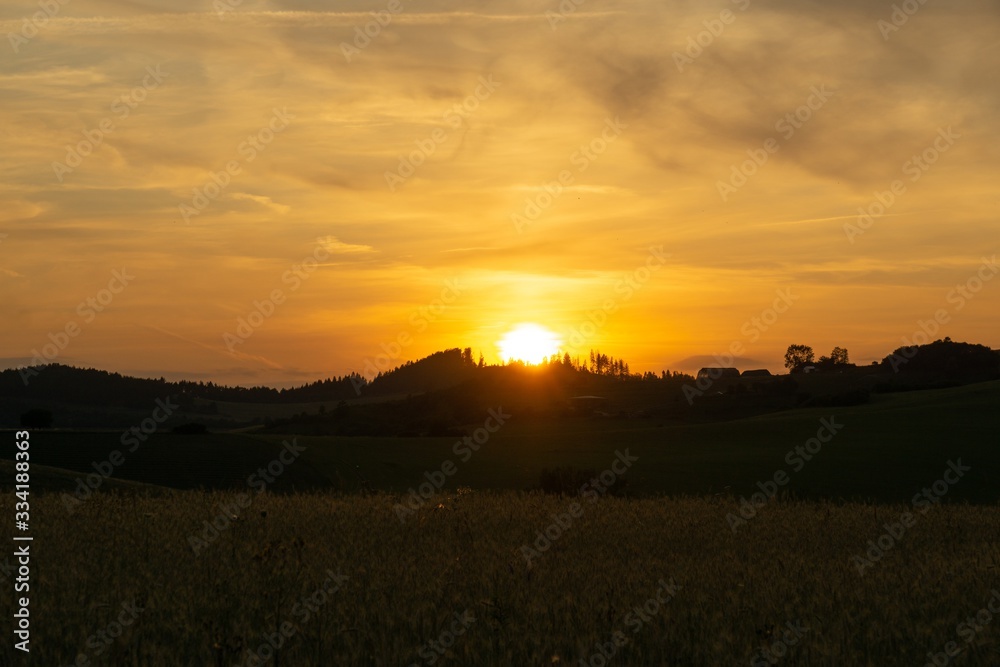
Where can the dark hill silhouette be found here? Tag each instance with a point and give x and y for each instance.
(438, 371)
(942, 363)
(447, 389)
(89, 386)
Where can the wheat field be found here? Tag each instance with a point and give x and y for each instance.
(477, 578)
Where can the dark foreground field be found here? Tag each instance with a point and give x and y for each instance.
(334, 580)
(884, 451)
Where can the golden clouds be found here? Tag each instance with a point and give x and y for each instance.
(355, 120)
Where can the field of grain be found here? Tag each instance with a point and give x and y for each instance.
(341, 580)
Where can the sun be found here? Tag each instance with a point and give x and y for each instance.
(530, 343)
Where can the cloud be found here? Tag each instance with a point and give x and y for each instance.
(323, 178)
(337, 247)
(266, 202)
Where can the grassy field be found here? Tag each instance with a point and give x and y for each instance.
(885, 451)
(47, 479)
(207, 461)
(685, 570)
(342, 581)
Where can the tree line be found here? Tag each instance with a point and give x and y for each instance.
(798, 358)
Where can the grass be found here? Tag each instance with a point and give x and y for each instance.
(349, 583)
(405, 582)
(887, 451)
(47, 479)
(206, 461)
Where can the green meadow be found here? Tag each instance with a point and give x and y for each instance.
(885, 451)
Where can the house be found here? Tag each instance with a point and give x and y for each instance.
(717, 373)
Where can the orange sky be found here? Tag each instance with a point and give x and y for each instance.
(670, 171)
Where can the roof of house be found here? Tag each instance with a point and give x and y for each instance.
(717, 370)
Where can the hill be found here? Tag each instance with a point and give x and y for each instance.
(436, 395)
(886, 450)
(48, 479)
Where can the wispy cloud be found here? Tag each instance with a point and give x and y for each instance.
(337, 247)
(320, 183)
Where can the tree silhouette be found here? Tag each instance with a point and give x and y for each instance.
(798, 356)
(838, 357)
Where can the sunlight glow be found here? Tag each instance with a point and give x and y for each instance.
(530, 343)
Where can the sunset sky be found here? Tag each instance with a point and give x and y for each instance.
(467, 167)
